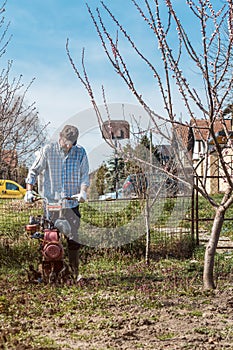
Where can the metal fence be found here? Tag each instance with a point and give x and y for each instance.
(167, 217)
(114, 223)
(203, 214)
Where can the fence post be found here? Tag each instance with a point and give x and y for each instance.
(196, 214)
(193, 215)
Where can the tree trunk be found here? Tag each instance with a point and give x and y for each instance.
(208, 274)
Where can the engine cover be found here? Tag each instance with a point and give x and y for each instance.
(52, 248)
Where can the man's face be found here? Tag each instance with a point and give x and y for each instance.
(65, 145)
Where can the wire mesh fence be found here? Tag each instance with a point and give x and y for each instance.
(114, 223)
(14, 215)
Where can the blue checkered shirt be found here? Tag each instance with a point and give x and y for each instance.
(59, 174)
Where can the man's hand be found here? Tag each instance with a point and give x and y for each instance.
(29, 197)
(81, 197)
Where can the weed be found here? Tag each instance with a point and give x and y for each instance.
(196, 313)
(165, 335)
(203, 330)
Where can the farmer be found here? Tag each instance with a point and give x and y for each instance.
(62, 170)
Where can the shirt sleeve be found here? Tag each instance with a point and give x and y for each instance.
(36, 168)
(84, 171)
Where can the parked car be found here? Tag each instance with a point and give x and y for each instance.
(11, 189)
(111, 195)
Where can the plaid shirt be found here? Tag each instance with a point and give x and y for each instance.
(59, 174)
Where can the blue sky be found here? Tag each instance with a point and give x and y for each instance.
(40, 29)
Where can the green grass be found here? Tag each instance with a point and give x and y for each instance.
(104, 214)
(205, 210)
(111, 223)
(14, 215)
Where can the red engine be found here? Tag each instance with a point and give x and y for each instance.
(52, 267)
(52, 249)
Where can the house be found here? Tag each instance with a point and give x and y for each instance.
(201, 135)
(196, 141)
(116, 129)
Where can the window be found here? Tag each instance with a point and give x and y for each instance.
(10, 186)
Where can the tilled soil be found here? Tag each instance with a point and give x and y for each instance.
(113, 320)
(178, 324)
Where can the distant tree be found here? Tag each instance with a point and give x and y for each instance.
(148, 144)
(100, 179)
(115, 173)
(21, 132)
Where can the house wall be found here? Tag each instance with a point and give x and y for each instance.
(199, 149)
(209, 169)
(215, 182)
(212, 184)
(228, 157)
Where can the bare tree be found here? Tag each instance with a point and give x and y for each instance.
(178, 51)
(21, 131)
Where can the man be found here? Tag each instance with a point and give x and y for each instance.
(62, 170)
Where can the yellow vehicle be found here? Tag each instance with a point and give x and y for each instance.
(11, 189)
